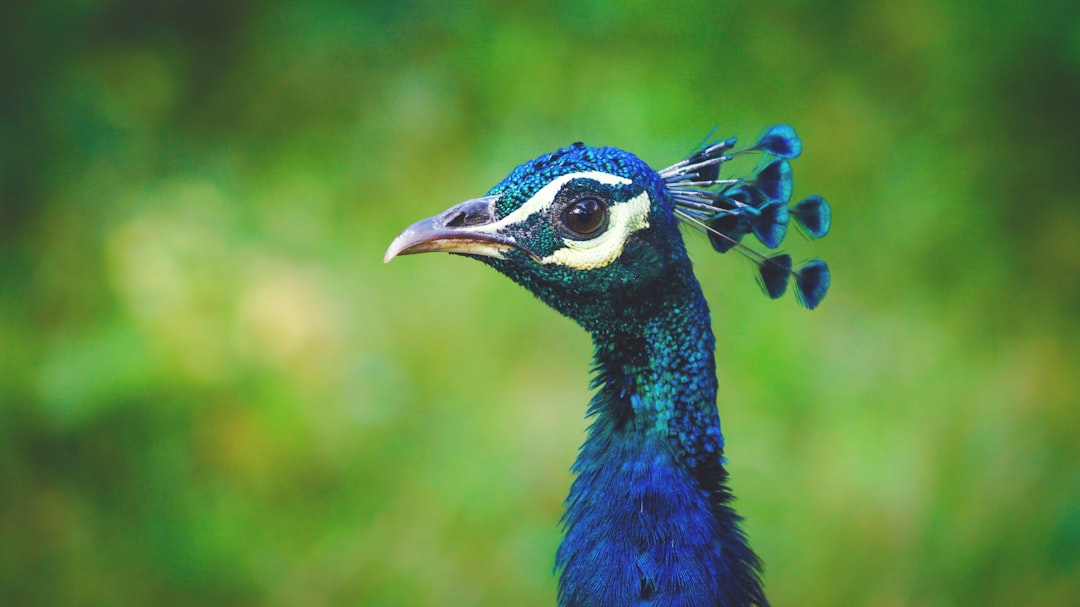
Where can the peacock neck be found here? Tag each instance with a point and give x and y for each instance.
(647, 519)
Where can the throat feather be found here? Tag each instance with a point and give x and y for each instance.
(648, 520)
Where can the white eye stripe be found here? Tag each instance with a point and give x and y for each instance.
(543, 198)
(625, 218)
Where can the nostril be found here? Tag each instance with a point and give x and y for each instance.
(473, 213)
(456, 219)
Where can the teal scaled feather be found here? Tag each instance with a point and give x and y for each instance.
(594, 233)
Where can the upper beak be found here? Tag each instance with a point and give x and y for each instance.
(468, 227)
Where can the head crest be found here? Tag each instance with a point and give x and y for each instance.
(729, 209)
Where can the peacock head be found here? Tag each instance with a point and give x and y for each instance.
(590, 230)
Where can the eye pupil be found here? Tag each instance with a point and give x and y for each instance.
(585, 216)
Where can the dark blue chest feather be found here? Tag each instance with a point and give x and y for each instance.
(643, 520)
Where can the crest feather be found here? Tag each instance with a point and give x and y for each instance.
(727, 209)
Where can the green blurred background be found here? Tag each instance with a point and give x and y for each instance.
(213, 392)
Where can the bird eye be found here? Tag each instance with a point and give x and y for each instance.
(585, 216)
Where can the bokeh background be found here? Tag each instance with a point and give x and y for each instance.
(213, 392)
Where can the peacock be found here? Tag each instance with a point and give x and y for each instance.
(594, 233)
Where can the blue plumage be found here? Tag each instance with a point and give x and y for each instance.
(775, 181)
(813, 215)
(758, 204)
(648, 518)
(773, 274)
(780, 141)
(594, 233)
(771, 223)
(812, 282)
(726, 229)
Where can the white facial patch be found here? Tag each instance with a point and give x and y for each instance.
(624, 219)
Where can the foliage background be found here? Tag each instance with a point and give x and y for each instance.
(212, 391)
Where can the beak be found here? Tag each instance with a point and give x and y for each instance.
(468, 228)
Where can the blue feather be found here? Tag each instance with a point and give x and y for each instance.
(780, 141)
(775, 181)
(813, 215)
(746, 195)
(773, 274)
(812, 283)
(728, 229)
(770, 224)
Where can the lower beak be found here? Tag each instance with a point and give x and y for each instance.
(467, 228)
